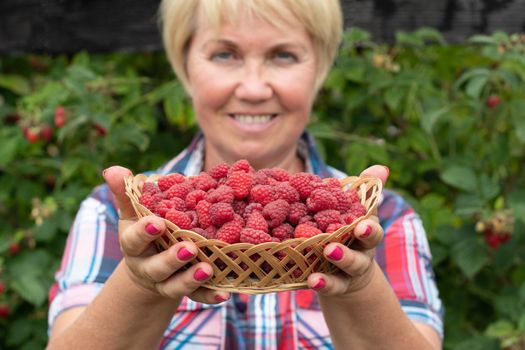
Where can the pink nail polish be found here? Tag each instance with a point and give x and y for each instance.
(336, 254)
(200, 275)
(367, 232)
(184, 254)
(220, 298)
(320, 284)
(151, 229)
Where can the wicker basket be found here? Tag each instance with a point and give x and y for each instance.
(265, 267)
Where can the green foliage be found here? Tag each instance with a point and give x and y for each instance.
(447, 119)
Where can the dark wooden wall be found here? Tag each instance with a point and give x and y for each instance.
(58, 26)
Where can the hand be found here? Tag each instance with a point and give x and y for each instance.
(357, 262)
(153, 271)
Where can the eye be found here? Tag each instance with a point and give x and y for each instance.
(285, 57)
(222, 56)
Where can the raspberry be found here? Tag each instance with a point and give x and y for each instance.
(260, 178)
(211, 231)
(222, 193)
(203, 212)
(327, 217)
(332, 182)
(303, 183)
(297, 211)
(357, 209)
(204, 182)
(306, 231)
(263, 194)
(348, 218)
(241, 183)
(243, 165)
(230, 232)
(276, 212)
(277, 174)
(285, 191)
(239, 206)
(163, 207)
(333, 227)
(169, 180)
(249, 235)
(150, 187)
(219, 171)
(321, 200)
(220, 213)
(179, 218)
(239, 219)
(257, 222)
(251, 207)
(200, 231)
(178, 203)
(194, 197)
(146, 199)
(180, 190)
(283, 232)
(308, 220)
(344, 201)
(192, 214)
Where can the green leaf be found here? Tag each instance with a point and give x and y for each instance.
(46, 231)
(470, 255)
(521, 323)
(500, 329)
(15, 83)
(489, 189)
(19, 332)
(518, 118)
(476, 85)
(461, 177)
(482, 39)
(428, 119)
(29, 287)
(478, 343)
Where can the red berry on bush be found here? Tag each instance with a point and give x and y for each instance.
(101, 131)
(493, 101)
(46, 132)
(2, 287)
(4, 311)
(60, 117)
(32, 135)
(14, 248)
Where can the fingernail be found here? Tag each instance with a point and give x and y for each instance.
(336, 254)
(219, 298)
(184, 254)
(320, 284)
(200, 275)
(151, 229)
(387, 170)
(367, 232)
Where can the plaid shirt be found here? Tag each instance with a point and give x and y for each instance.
(285, 320)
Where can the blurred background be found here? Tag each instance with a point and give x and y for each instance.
(433, 89)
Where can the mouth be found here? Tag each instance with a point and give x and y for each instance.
(252, 119)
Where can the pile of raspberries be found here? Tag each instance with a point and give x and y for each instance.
(238, 204)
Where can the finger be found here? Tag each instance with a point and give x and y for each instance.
(160, 266)
(352, 262)
(369, 233)
(185, 282)
(114, 177)
(328, 284)
(380, 171)
(209, 296)
(137, 237)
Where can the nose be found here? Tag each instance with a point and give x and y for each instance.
(253, 85)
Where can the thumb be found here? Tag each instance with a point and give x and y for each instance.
(114, 177)
(379, 171)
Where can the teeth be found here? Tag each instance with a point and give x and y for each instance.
(253, 119)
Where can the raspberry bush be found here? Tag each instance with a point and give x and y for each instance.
(446, 119)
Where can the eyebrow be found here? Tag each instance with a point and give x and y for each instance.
(230, 43)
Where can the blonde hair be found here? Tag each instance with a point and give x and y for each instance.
(322, 19)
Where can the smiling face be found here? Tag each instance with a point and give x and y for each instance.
(252, 86)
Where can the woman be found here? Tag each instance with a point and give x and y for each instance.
(252, 69)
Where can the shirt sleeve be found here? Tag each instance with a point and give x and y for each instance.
(91, 254)
(405, 258)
